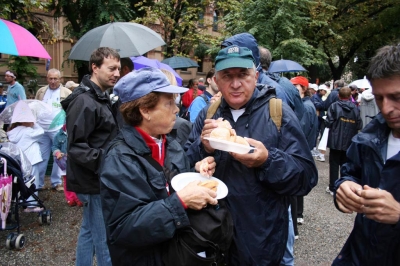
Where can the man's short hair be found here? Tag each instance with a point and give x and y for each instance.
(201, 79)
(344, 93)
(385, 64)
(99, 54)
(54, 70)
(265, 57)
(339, 83)
(126, 61)
(209, 75)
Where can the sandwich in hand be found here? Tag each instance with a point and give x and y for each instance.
(211, 184)
(224, 131)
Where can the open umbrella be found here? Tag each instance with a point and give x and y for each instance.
(129, 39)
(141, 62)
(39, 109)
(283, 65)
(16, 40)
(362, 83)
(178, 62)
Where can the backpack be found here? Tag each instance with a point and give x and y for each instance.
(186, 113)
(206, 240)
(275, 111)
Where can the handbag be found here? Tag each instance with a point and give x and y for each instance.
(207, 239)
(62, 163)
(203, 243)
(324, 140)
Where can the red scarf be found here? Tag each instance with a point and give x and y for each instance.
(155, 150)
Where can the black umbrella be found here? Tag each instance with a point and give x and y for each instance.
(178, 62)
(283, 65)
(129, 39)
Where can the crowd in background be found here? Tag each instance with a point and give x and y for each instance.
(147, 112)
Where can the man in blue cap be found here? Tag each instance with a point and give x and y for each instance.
(259, 182)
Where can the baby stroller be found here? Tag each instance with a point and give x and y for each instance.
(14, 163)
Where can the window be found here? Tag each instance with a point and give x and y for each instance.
(215, 20)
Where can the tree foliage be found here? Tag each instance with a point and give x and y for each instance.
(183, 24)
(84, 15)
(355, 27)
(316, 33)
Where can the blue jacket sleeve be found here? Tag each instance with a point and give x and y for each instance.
(351, 170)
(133, 215)
(290, 168)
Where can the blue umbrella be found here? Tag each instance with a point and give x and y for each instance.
(178, 62)
(141, 62)
(283, 65)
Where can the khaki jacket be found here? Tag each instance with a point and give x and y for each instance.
(64, 92)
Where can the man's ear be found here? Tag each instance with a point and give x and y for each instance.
(94, 68)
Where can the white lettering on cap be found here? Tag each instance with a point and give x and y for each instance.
(233, 50)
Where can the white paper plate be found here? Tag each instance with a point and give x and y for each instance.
(178, 182)
(229, 146)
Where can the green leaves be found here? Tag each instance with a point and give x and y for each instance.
(316, 32)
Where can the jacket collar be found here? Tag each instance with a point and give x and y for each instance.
(375, 135)
(136, 142)
(96, 89)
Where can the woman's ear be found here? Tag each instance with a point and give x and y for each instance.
(145, 113)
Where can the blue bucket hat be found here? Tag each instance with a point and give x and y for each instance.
(234, 56)
(139, 83)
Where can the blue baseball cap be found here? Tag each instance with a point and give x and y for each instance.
(234, 56)
(139, 83)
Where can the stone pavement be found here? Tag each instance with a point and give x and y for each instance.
(321, 236)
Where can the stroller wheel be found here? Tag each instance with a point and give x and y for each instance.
(20, 241)
(47, 213)
(44, 217)
(15, 240)
(10, 240)
(40, 218)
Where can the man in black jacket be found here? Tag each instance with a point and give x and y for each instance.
(343, 121)
(334, 95)
(91, 125)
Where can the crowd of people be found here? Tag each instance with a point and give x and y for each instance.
(117, 145)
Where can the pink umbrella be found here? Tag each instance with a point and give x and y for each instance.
(5, 196)
(16, 40)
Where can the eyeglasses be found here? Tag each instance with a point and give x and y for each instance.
(53, 79)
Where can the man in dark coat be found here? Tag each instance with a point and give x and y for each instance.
(370, 183)
(292, 94)
(343, 121)
(334, 95)
(259, 182)
(91, 126)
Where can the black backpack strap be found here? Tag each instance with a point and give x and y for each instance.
(153, 162)
(204, 96)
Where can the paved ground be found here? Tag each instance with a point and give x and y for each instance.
(321, 236)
